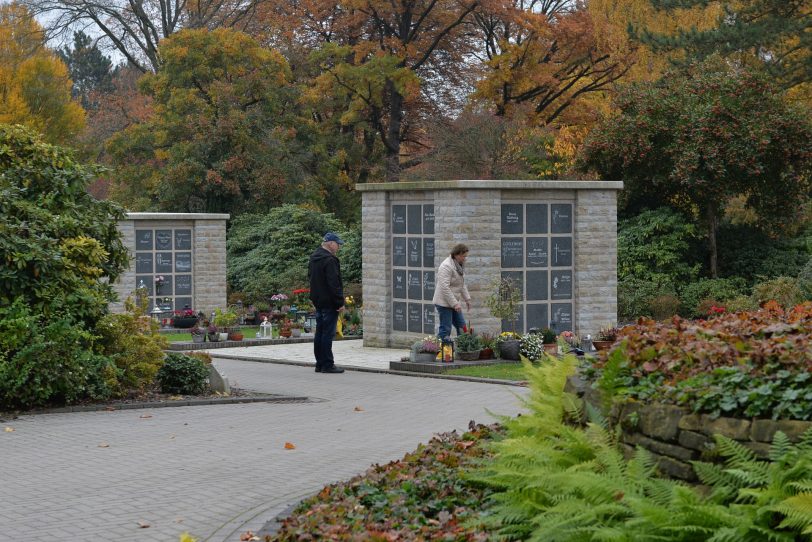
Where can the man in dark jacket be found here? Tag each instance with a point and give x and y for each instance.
(327, 295)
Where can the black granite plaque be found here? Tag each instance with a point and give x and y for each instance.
(536, 285)
(428, 252)
(512, 252)
(428, 219)
(145, 281)
(399, 251)
(415, 252)
(163, 239)
(415, 318)
(415, 219)
(163, 262)
(536, 218)
(428, 285)
(561, 317)
(399, 316)
(143, 262)
(512, 218)
(399, 283)
(182, 302)
(183, 284)
(518, 280)
(415, 285)
(143, 240)
(428, 320)
(561, 251)
(537, 315)
(183, 262)
(537, 255)
(561, 285)
(399, 219)
(561, 218)
(166, 287)
(183, 239)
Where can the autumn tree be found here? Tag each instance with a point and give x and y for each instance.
(775, 35)
(35, 89)
(696, 138)
(545, 54)
(134, 28)
(223, 136)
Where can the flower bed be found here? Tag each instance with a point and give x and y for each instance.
(750, 364)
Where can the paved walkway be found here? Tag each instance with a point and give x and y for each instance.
(216, 471)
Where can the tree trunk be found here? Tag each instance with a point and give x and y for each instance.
(392, 140)
(713, 225)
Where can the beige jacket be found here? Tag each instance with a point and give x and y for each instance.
(449, 287)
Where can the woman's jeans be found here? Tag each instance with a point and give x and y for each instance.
(447, 317)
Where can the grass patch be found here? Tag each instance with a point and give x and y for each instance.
(500, 371)
(248, 332)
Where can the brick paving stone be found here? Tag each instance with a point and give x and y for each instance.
(216, 471)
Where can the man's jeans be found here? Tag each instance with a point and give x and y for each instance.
(326, 320)
(447, 317)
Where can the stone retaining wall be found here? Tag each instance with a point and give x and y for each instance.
(675, 436)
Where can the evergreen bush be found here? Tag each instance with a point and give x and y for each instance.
(183, 375)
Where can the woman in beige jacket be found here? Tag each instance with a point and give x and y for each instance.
(450, 292)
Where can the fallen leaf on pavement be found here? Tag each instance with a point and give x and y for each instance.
(103, 445)
(290, 446)
(248, 536)
(358, 409)
(145, 416)
(143, 525)
(9, 429)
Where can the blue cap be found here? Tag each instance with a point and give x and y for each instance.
(330, 236)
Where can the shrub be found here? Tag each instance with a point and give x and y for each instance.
(664, 306)
(784, 290)
(48, 362)
(741, 303)
(719, 291)
(182, 374)
(805, 279)
(745, 364)
(751, 254)
(634, 297)
(132, 341)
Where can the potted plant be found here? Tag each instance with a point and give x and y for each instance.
(426, 349)
(285, 331)
(468, 346)
(224, 320)
(296, 328)
(211, 332)
(548, 338)
(487, 346)
(503, 303)
(184, 319)
(606, 338)
(198, 334)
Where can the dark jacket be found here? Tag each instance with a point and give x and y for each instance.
(326, 288)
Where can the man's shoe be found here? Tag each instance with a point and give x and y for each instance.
(333, 369)
(318, 369)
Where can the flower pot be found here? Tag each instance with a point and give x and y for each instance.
(285, 333)
(184, 322)
(486, 353)
(296, 332)
(551, 348)
(214, 337)
(602, 345)
(198, 338)
(472, 355)
(510, 349)
(425, 357)
(223, 336)
(235, 336)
